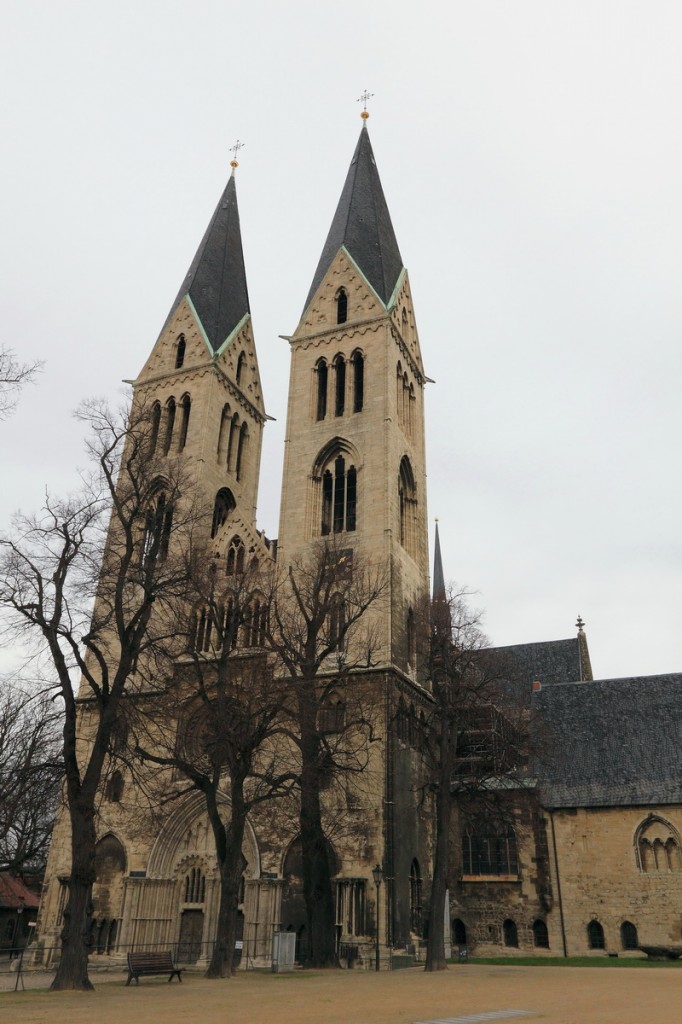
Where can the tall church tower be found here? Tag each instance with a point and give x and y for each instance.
(201, 383)
(354, 466)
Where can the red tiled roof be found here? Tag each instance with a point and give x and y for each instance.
(14, 894)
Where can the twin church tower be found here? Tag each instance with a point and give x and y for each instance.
(354, 472)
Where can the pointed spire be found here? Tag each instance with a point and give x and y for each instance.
(216, 280)
(439, 593)
(363, 225)
(585, 664)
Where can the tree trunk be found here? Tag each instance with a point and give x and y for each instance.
(231, 868)
(435, 953)
(72, 972)
(228, 842)
(317, 883)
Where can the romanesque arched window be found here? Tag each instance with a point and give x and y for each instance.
(240, 366)
(341, 306)
(410, 637)
(628, 935)
(331, 717)
(358, 364)
(180, 351)
(510, 933)
(186, 406)
(399, 391)
(415, 897)
(224, 504)
(155, 423)
(459, 932)
(170, 423)
(339, 496)
(407, 499)
(658, 846)
(322, 375)
(540, 935)
(595, 936)
(235, 557)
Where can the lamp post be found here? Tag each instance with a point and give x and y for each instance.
(378, 875)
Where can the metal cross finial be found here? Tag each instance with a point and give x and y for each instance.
(363, 99)
(234, 150)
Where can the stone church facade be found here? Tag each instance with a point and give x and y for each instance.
(572, 858)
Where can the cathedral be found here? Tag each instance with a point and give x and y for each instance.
(588, 857)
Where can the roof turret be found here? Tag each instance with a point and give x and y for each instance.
(362, 225)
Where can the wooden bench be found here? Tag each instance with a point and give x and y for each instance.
(151, 963)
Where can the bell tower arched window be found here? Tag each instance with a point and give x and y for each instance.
(180, 352)
(339, 497)
(186, 406)
(154, 427)
(241, 362)
(232, 442)
(170, 424)
(341, 306)
(407, 495)
(157, 528)
(241, 449)
(322, 374)
(358, 364)
(339, 386)
(224, 503)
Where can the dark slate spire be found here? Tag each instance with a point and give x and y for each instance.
(439, 593)
(362, 224)
(216, 281)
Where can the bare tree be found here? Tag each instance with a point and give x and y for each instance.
(227, 704)
(30, 774)
(477, 733)
(319, 629)
(13, 376)
(79, 583)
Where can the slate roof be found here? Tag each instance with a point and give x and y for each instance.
(549, 662)
(14, 894)
(363, 225)
(611, 742)
(216, 280)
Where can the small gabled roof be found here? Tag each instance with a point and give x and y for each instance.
(216, 280)
(362, 224)
(14, 894)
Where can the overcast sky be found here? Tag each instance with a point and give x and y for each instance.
(531, 157)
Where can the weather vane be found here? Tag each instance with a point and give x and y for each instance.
(363, 99)
(234, 150)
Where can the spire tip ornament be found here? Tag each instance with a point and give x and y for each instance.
(234, 163)
(364, 114)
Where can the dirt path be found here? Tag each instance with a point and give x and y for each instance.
(557, 995)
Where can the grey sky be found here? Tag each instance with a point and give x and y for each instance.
(531, 157)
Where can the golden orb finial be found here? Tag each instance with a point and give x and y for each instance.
(234, 163)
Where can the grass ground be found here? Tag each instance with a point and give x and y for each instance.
(579, 996)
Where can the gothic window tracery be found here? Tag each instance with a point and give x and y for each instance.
(339, 496)
(235, 557)
(195, 886)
